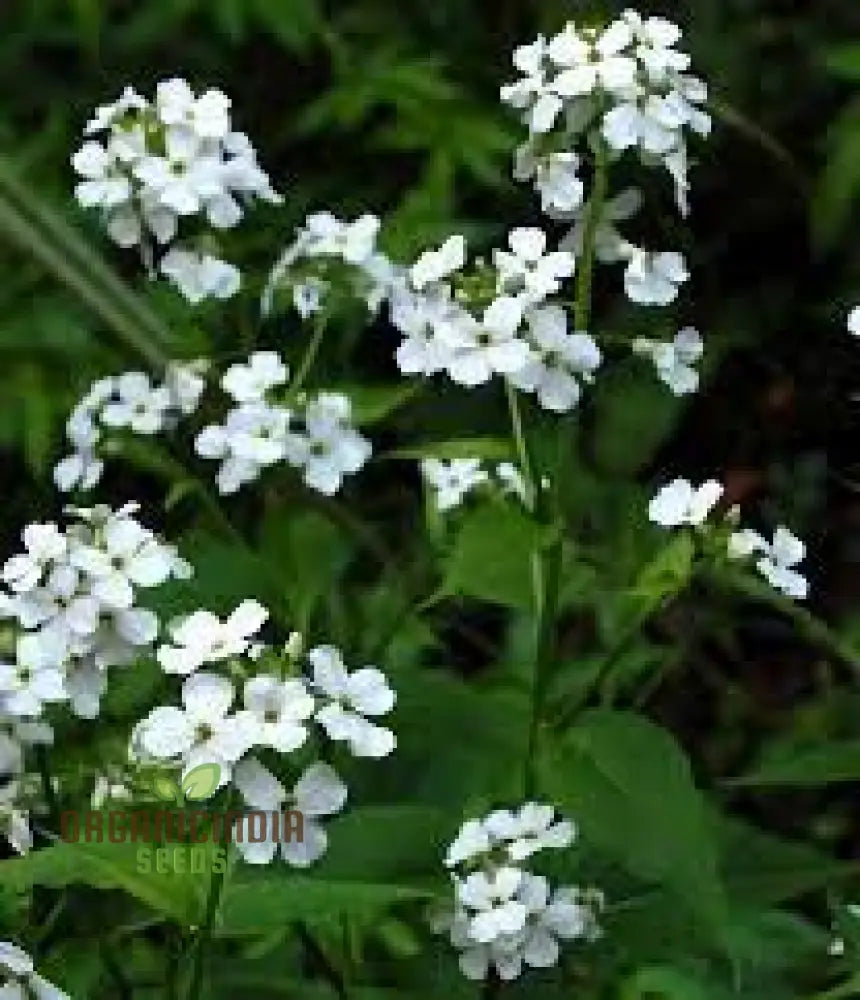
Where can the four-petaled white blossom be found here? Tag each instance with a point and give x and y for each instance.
(348, 699)
(527, 271)
(452, 479)
(560, 360)
(680, 502)
(653, 279)
(777, 561)
(318, 793)
(203, 638)
(674, 360)
(203, 730)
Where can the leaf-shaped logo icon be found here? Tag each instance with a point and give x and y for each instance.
(165, 788)
(201, 781)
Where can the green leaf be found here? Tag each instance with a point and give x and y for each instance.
(110, 866)
(763, 869)
(634, 414)
(807, 766)
(201, 782)
(629, 786)
(664, 982)
(476, 447)
(255, 902)
(492, 555)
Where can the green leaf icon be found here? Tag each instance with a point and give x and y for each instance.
(165, 788)
(201, 781)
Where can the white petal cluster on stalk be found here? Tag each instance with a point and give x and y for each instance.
(679, 503)
(74, 596)
(305, 267)
(505, 917)
(152, 166)
(626, 83)
(131, 401)
(315, 436)
(674, 360)
(511, 327)
(20, 979)
(777, 561)
(317, 700)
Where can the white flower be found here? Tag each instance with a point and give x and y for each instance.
(559, 360)
(653, 279)
(318, 793)
(329, 448)
(674, 361)
(250, 382)
(451, 480)
(203, 638)
(777, 559)
(482, 348)
(253, 436)
(354, 242)
(21, 980)
(350, 697)
(45, 544)
(36, 676)
(202, 731)
(139, 405)
(200, 275)
(854, 321)
(434, 265)
(208, 116)
(682, 503)
(422, 318)
(527, 270)
(472, 841)
(533, 828)
(489, 899)
(279, 709)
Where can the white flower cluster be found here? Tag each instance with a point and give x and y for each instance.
(854, 321)
(131, 401)
(309, 266)
(277, 714)
(74, 596)
(680, 503)
(495, 321)
(451, 480)
(505, 917)
(317, 437)
(674, 360)
(21, 981)
(174, 158)
(626, 82)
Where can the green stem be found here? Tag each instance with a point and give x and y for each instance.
(585, 264)
(203, 943)
(309, 356)
(539, 590)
